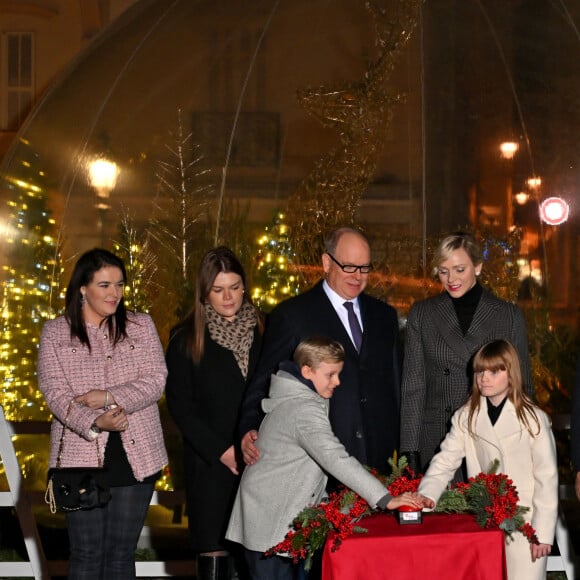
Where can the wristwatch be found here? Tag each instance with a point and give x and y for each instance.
(94, 429)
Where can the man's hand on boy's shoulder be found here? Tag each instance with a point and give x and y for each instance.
(249, 450)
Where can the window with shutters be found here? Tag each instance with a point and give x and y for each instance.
(17, 78)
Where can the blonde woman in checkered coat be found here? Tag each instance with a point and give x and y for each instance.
(443, 334)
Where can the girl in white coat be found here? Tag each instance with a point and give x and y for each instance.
(500, 422)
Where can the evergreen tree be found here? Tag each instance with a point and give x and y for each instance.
(141, 265)
(31, 273)
(275, 278)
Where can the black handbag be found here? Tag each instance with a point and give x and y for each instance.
(76, 488)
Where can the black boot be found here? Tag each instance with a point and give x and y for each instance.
(213, 568)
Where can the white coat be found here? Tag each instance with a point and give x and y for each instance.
(296, 446)
(530, 462)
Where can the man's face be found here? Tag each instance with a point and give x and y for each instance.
(351, 250)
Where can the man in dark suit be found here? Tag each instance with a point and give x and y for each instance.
(364, 410)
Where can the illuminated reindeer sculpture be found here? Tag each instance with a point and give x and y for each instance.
(361, 112)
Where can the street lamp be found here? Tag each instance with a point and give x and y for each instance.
(508, 149)
(534, 184)
(554, 211)
(522, 197)
(103, 174)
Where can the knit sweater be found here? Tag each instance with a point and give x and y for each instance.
(133, 371)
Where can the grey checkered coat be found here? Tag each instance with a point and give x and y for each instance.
(436, 370)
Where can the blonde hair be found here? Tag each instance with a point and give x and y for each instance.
(501, 355)
(454, 242)
(318, 349)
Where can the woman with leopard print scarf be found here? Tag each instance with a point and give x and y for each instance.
(210, 357)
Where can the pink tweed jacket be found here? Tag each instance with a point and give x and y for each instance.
(133, 371)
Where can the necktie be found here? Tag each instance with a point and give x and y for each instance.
(354, 324)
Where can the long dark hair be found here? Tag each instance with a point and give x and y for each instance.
(216, 261)
(83, 273)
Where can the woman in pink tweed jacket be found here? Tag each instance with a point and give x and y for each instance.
(111, 365)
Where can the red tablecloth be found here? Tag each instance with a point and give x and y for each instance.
(443, 547)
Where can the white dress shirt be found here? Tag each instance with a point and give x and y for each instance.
(338, 305)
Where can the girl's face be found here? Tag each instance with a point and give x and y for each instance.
(493, 384)
(102, 294)
(458, 273)
(226, 294)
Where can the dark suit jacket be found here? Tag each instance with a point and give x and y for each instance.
(436, 374)
(364, 410)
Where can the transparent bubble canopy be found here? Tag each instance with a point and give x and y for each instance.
(244, 105)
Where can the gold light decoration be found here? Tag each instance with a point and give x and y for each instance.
(275, 277)
(134, 249)
(361, 111)
(178, 226)
(31, 291)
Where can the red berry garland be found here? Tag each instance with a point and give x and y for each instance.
(492, 497)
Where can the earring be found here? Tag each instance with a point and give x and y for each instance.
(83, 298)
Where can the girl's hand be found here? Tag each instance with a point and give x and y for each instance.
(95, 399)
(540, 550)
(426, 502)
(112, 420)
(407, 498)
(228, 458)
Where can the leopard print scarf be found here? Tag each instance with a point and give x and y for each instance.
(236, 335)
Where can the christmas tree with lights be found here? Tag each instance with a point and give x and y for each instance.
(140, 261)
(31, 274)
(276, 278)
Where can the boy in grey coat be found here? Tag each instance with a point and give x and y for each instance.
(297, 450)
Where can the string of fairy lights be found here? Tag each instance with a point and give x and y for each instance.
(276, 276)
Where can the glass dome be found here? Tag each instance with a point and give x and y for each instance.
(191, 123)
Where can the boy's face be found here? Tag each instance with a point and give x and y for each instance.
(324, 377)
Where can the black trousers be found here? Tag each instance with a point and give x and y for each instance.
(270, 568)
(103, 540)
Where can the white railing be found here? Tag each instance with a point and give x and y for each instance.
(38, 566)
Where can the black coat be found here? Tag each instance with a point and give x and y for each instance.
(204, 401)
(364, 410)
